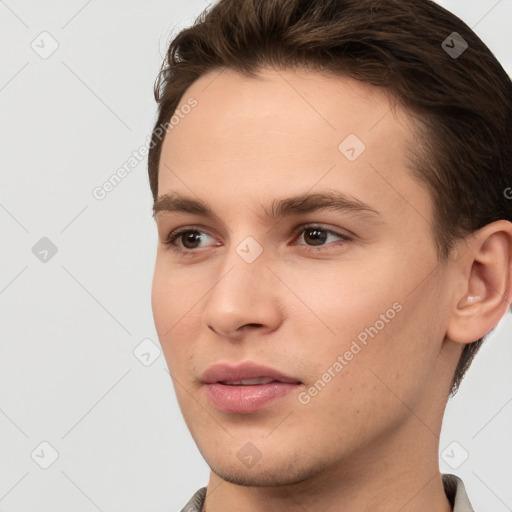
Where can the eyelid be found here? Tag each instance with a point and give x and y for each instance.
(342, 233)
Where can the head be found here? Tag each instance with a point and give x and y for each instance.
(353, 98)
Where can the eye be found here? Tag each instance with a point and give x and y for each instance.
(189, 237)
(318, 235)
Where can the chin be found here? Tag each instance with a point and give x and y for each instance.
(265, 473)
(258, 477)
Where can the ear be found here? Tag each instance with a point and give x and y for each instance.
(485, 279)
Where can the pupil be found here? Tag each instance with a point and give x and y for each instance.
(190, 237)
(317, 235)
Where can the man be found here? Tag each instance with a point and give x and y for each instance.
(330, 181)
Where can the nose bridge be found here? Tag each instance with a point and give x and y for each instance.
(244, 263)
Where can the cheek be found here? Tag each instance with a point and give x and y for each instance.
(340, 302)
(172, 311)
(365, 327)
(161, 300)
(173, 296)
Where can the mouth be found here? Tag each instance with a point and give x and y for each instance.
(247, 373)
(249, 382)
(248, 398)
(246, 388)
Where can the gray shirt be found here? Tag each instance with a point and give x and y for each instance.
(453, 487)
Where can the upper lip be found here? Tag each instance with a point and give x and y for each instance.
(247, 370)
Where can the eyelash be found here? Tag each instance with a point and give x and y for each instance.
(174, 235)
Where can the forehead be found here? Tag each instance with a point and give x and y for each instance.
(288, 131)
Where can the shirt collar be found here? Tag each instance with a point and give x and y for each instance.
(456, 493)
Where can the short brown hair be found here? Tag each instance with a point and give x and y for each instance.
(463, 102)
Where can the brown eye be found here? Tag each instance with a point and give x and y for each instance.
(185, 240)
(317, 236)
(190, 238)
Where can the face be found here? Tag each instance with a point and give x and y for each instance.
(340, 299)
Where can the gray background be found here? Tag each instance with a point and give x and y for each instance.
(72, 372)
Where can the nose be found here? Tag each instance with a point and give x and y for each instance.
(245, 297)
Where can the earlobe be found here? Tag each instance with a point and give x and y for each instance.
(486, 274)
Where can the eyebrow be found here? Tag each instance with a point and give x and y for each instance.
(294, 205)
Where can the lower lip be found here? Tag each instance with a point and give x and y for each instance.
(245, 399)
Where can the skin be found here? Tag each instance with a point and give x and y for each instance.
(369, 439)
